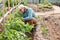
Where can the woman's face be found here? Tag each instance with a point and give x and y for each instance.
(22, 10)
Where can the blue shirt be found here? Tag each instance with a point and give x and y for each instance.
(28, 14)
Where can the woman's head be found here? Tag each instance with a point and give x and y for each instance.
(21, 8)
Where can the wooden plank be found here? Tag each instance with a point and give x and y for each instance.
(5, 16)
(8, 4)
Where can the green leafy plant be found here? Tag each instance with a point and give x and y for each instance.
(44, 4)
(6, 3)
(11, 34)
(11, 3)
(15, 28)
(43, 26)
(1, 11)
(44, 30)
(45, 1)
(24, 3)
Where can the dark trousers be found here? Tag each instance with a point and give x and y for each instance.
(32, 21)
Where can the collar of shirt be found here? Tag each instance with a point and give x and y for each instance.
(25, 11)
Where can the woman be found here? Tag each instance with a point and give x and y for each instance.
(28, 15)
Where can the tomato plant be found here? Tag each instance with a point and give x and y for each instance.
(15, 28)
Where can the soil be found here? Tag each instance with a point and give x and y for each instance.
(58, 4)
(45, 9)
(50, 19)
(52, 23)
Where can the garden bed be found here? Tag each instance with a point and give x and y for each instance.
(36, 9)
(45, 9)
(53, 24)
(14, 28)
(48, 28)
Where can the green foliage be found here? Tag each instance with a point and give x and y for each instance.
(45, 4)
(45, 1)
(17, 13)
(24, 3)
(11, 34)
(15, 28)
(1, 11)
(49, 5)
(6, 3)
(43, 26)
(44, 30)
(11, 3)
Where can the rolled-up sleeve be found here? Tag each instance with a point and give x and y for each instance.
(29, 12)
